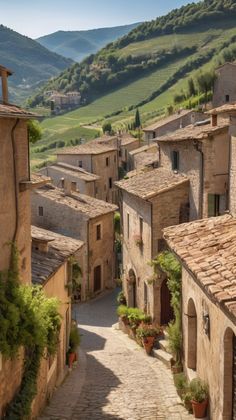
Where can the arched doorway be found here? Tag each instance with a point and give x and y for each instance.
(167, 313)
(229, 393)
(132, 289)
(192, 336)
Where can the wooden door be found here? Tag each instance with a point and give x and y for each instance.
(167, 313)
(97, 278)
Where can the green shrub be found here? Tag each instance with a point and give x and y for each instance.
(122, 311)
(121, 299)
(75, 339)
(147, 331)
(198, 390)
(181, 383)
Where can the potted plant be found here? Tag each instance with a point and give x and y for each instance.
(187, 398)
(134, 316)
(74, 343)
(121, 299)
(181, 384)
(199, 392)
(138, 240)
(147, 333)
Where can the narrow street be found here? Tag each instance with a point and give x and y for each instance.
(115, 379)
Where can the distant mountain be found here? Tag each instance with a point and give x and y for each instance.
(79, 44)
(31, 63)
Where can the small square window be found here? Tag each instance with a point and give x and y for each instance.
(110, 182)
(98, 232)
(40, 210)
(80, 164)
(175, 160)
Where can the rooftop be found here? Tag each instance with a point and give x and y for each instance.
(60, 248)
(13, 111)
(89, 206)
(93, 147)
(147, 184)
(208, 249)
(71, 170)
(126, 139)
(167, 120)
(146, 148)
(224, 109)
(146, 158)
(192, 132)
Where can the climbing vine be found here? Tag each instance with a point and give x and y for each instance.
(170, 265)
(31, 321)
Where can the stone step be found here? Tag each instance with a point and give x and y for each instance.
(164, 345)
(163, 356)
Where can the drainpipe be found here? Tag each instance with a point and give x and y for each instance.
(198, 147)
(15, 178)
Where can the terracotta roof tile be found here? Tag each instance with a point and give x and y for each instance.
(147, 184)
(192, 132)
(166, 120)
(211, 257)
(15, 111)
(94, 147)
(89, 206)
(224, 109)
(71, 170)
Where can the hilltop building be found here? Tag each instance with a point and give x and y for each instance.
(84, 218)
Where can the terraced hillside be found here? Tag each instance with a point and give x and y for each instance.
(163, 65)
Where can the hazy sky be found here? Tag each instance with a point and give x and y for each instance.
(39, 17)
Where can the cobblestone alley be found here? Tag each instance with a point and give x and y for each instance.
(115, 379)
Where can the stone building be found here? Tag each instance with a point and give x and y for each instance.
(61, 101)
(200, 152)
(144, 156)
(225, 85)
(172, 123)
(128, 143)
(60, 173)
(206, 250)
(150, 201)
(84, 218)
(52, 269)
(98, 158)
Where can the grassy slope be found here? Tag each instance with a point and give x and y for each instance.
(65, 126)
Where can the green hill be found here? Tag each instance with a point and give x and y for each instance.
(79, 44)
(31, 63)
(146, 73)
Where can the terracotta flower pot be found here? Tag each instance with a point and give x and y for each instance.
(71, 359)
(199, 409)
(148, 344)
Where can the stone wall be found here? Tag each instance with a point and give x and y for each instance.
(56, 174)
(212, 356)
(215, 172)
(63, 219)
(9, 188)
(225, 85)
(76, 159)
(52, 373)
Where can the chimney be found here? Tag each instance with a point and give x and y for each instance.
(4, 73)
(69, 187)
(40, 245)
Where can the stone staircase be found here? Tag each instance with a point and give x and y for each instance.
(161, 351)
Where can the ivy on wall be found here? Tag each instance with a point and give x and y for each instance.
(30, 320)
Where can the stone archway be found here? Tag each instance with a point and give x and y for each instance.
(167, 313)
(229, 390)
(132, 289)
(192, 336)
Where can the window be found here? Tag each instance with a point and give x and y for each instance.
(80, 164)
(226, 98)
(141, 226)
(97, 278)
(107, 161)
(120, 153)
(175, 160)
(213, 205)
(127, 225)
(98, 232)
(110, 182)
(153, 134)
(40, 211)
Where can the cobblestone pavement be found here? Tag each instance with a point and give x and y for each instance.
(115, 379)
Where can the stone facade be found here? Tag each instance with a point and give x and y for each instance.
(85, 182)
(172, 123)
(202, 350)
(147, 218)
(96, 230)
(225, 86)
(206, 163)
(104, 165)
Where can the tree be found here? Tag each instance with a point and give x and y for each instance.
(137, 119)
(107, 127)
(35, 131)
(191, 87)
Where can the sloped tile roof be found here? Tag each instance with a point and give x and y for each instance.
(224, 109)
(208, 249)
(147, 184)
(192, 132)
(15, 111)
(167, 120)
